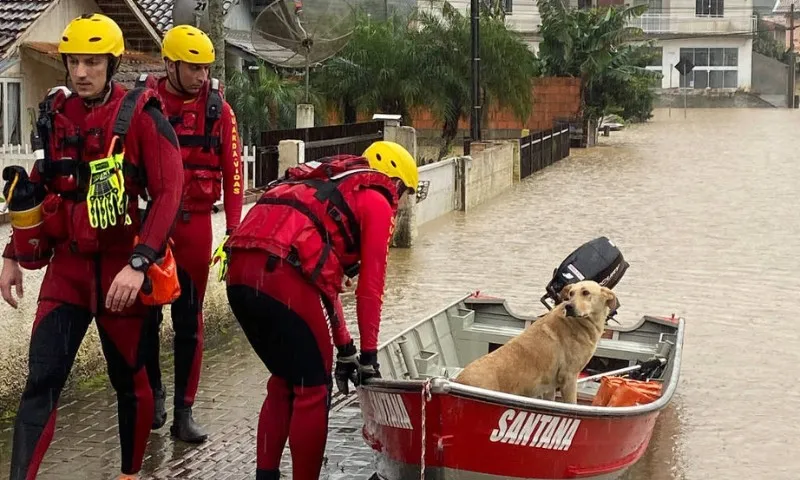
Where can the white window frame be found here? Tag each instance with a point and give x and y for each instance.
(4, 82)
(710, 68)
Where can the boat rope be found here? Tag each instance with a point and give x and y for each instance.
(426, 397)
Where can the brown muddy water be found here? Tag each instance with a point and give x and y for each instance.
(705, 210)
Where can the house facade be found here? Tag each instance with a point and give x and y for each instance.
(780, 17)
(30, 64)
(716, 38)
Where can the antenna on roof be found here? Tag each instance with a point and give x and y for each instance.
(191, 12)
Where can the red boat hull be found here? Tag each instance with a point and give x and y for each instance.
(473, 439)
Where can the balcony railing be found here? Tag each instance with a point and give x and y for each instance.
(651, 23)
(683, 23)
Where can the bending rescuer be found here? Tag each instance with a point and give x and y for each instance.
(324, 221)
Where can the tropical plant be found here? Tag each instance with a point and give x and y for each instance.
(597, 45)
(765, 43)
(264, 99)
(378, 70)
(423, 60)
(507, 66)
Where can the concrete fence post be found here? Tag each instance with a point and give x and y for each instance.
(304, 116)
(290, 154)
(462, 182)
(405, 231)
(405, 136)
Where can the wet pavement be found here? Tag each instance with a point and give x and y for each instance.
(86, 446)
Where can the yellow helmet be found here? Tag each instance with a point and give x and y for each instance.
(185, 43)
(92, 34)
(395, 161)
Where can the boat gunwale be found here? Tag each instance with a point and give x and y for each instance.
(522, 317)
(447, 387)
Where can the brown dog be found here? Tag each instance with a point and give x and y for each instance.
(551, 352)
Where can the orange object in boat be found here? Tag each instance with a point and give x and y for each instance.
(625, 392)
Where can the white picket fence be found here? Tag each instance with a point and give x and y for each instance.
(23, 155)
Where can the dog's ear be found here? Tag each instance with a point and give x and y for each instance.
(611, 298)
(564, 293)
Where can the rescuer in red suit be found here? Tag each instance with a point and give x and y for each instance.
(206, 128)
(99, 148)
(285, 267)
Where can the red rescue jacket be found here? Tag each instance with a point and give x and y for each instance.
(307, 220)
(65, 168)
(199, 131)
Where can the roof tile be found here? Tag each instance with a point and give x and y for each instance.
(133, 62)
(159, 12)
(15, 17)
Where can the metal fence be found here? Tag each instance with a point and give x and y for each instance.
(352, 138)
(543, 148)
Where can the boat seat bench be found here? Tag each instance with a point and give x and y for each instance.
(618, 349)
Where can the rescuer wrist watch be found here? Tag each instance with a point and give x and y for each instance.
(140, 263)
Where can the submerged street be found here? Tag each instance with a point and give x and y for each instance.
(703, 208)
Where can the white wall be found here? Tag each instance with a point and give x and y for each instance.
(688, 6)
(671, 56)
(49, 26)
(38, 78)
(524, 16)
(239, 17)
(442, 192)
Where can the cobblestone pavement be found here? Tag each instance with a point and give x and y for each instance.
(232, 388)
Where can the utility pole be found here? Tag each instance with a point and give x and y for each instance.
(216, 32)
(475, 119)
(792, 61)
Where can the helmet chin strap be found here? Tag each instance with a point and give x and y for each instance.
(179, 87)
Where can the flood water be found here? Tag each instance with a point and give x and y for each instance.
(705, 210)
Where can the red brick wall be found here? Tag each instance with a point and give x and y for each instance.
(553, 97)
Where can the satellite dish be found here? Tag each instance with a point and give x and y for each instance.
(293, 33)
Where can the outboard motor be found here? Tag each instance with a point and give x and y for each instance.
(599, 260)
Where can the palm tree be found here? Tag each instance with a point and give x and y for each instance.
(507, 66)
(376, 71)
(423, 60)
(596, 46)
(263, 99)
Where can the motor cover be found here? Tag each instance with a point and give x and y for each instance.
(599, 260)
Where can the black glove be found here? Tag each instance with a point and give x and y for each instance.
(26, 194)
(346, 367)
(12, 170)
(368, 367)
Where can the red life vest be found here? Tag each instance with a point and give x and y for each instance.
(306, 219)
(199, 130)
(69, 147)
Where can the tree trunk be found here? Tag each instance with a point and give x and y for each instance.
(450, 130)
(349, 112)
(274, 118)
(217, 35)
